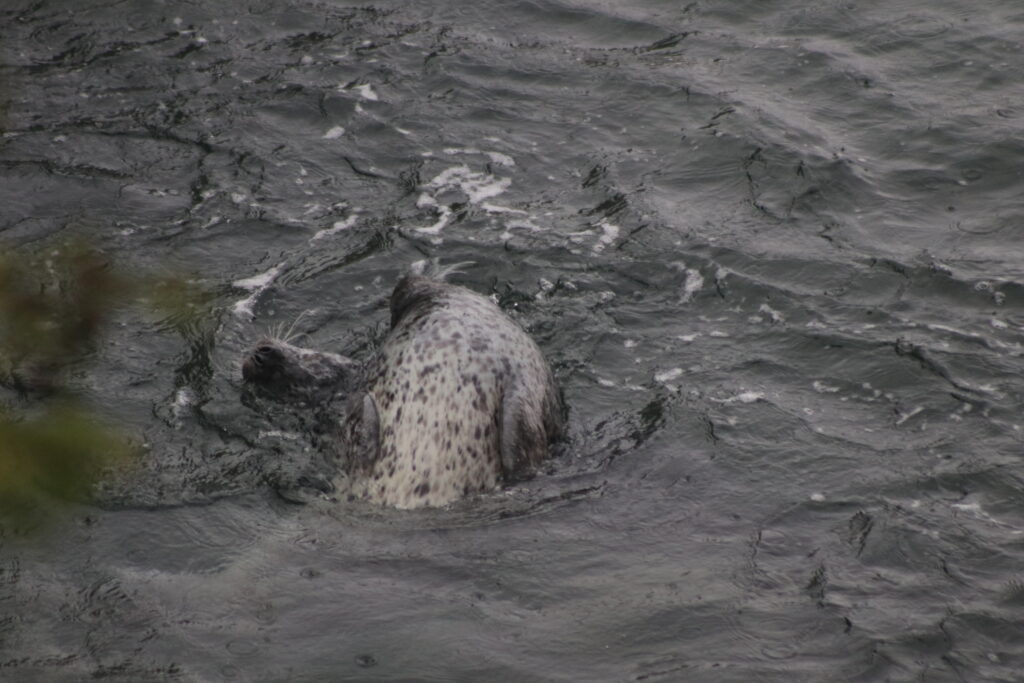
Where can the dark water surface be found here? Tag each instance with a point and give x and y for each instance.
(774, 251)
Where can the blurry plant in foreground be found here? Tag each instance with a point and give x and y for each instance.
(52, 311)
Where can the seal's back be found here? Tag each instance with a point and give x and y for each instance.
(458, 399)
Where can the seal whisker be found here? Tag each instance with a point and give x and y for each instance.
(432, 268)
(288, 337)
(273, 331)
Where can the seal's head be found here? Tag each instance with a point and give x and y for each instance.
(278, 366)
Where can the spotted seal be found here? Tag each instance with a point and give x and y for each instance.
(456, 400)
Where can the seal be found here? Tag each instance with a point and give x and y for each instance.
(457, 399)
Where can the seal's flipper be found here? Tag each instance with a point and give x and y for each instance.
(362, 427)
(524, 442)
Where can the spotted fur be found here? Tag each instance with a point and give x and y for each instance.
(457, 400)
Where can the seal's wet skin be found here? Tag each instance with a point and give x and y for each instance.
(278, 366)
(457, 400)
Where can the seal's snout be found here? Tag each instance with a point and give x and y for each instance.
(261, 363)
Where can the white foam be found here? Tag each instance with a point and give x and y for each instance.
(256, 284)
(823, 388)
(975, 510)
(609, 233)
(578, 237)
(243, 308)
(494, 208)
(337, 227)
(994, 344)
(261, 281)
(668, 375)
(906, 416)
(445, 216)
(425, 201)
(451, 151)
(366, 92)
(750, 396)
(278, 434)
(742, 397)
(692, 281)
(334, 133)
(771, 313)
(184, 397)
(477, 186)
(501, 159)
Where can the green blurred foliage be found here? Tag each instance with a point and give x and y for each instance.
(54, 456)
(53, 308)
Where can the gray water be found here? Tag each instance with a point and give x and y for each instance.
(773, 251)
